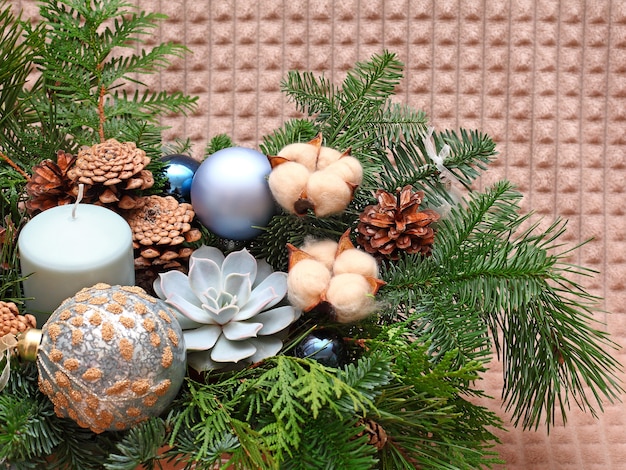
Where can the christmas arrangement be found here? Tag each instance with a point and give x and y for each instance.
(326, 300)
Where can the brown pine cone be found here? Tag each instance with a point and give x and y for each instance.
(396, 224)
(160, 226)
(112, 171)
(377, 436)
(50, 185)
(11, 322)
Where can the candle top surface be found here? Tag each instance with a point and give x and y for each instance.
(54, 239)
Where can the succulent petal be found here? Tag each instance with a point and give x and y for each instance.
(266, 346)
(276, 319)
(201, 360)
(263, 270)
(236, 330)
(204, 274)
(223, 315)
(173, 281)
(240, 262)
(208, 252)
(202, 338)
(239, 286)
(259, 301)
(190, 310)
(278, 282)
(231, 351)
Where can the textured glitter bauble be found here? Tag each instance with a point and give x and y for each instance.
(111, 357)
(326, 347)
(179, 171)
(230, 194)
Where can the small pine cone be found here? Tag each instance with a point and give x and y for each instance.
(377, 436)
(11, 322)
(50, 184)
(112, 173)
(160, 226)
(396, 224)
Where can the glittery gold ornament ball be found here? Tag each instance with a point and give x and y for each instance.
(111, 357)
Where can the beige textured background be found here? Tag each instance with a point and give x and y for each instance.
(546, 79)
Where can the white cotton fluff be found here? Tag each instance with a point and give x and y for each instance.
(286, 182)
(305, 154)
(357, 262)
(351, 297)
(327, 156)
(322, 250)
(328, 193)
(307, 280)
(349, 168)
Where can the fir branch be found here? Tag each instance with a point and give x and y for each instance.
(485, 275)
(328, 443)
(294, 130)
(28, 427)
(140, 445)
(311, 95)
(217, 143)
(470, 153)
(77, 99)
(368, 375)
(353, 115)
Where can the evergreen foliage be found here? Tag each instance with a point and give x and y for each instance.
(84, 53)
(493, 281)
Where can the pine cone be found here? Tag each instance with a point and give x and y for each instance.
(396, 224)
(50, 185)
(112, 172)
(11, 322)
(159, 227)
(377, 436)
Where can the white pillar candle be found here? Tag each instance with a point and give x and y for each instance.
(69, 247)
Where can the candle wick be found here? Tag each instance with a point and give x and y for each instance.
(81, 189)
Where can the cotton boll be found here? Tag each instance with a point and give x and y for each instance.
(306, 282)
(327, 156)
(328, 193)
(351, 297)
(322, 250)
(305, 154)
(286, 182)
(357, 262)
(349, 168)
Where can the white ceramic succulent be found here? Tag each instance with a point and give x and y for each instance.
(227, 307)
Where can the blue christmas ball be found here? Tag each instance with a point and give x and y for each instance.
(326, 347)
(179, 171)
(230, 194)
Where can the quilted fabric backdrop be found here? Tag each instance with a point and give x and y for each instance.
(546, 79)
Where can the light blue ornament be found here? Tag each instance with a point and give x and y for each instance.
(230, 194)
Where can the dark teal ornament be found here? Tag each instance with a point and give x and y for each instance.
(179, 171)
(326, 347)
